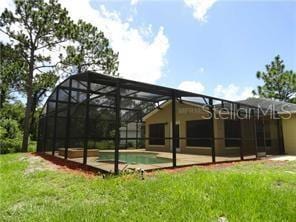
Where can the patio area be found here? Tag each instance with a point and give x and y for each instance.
(113, 124)
(182, 160)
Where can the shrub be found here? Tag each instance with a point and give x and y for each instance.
(10, 136)
(104, 145)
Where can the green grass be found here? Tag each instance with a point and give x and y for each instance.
(32, 146)
(244, 192)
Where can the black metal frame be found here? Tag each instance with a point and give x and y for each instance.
(140, 93)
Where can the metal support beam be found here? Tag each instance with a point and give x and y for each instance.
(117, 128)
(55, 121)
(156, 99)
(63, 89)
(45, 129)
(255, 132)
(126, 135)
(240, 132)
(39, 135)
(213, 130)
(280, 135)
(68, 123)
(86, 123)
(174, 139)
(137, 131)
(204, 99)
(264, 134)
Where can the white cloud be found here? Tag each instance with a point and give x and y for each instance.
(139, 59)
(142, 52)
(192, 86)
(201, 70)
(10, 6)
(232, 92)
(200, 8)
(6, 4)
(134, 2)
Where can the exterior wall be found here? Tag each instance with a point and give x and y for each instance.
(289, 134)
(184, 112)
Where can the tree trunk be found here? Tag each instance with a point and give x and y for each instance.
(27, 121)
(33, 108)
(2, 98)
(28, 112)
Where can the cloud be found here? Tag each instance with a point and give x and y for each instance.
(6, 4)
(233, 92)
(201, 70)
(10, 6)
(134, 2)
(200, 8)
(142, 51)
(140, 58)
(192, 86)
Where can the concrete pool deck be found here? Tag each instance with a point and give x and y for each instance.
(283, 158)
(182, 160)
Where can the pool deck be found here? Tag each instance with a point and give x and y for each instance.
(182, 160)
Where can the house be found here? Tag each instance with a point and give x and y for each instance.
(88, 113)
(287, 111)
(195, 133)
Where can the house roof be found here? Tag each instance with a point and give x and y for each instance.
(279, 106)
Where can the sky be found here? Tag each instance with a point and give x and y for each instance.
(213, 47)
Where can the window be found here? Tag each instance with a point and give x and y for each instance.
(156, 134)
(199, 133)
(232, 133)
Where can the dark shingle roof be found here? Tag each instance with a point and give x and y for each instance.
(278, 106)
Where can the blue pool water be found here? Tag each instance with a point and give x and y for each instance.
(133, 158)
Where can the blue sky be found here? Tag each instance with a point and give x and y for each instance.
(237, 39)
(213, 47)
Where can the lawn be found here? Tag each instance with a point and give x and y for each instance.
(31, 190)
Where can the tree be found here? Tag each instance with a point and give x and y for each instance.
(14, 111)
(279, 83)
(34, 27)
(89, 50)
(11, 122)
(12, 69)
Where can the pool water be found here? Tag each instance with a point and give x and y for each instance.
(133, 158)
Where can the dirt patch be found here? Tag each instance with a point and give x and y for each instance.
(45, 162)
(16, 208)
(35, 164)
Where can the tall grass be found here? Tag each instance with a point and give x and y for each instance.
(245, 192)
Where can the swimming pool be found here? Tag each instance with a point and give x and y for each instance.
(133, 158)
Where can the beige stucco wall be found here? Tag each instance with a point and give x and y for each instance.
(289, 134)
(185, 112)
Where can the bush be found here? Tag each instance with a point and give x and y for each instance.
(10, 136)
(104, 145)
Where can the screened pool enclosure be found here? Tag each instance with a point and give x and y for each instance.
(114, 124)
